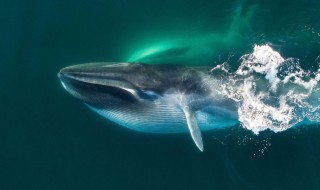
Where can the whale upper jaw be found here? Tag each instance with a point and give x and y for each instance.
(139, 96)
(85, 81)
(94, 73)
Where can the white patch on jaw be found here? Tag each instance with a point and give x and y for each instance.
(64, 85)
(131, 91)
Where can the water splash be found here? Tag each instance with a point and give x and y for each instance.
(272, 92)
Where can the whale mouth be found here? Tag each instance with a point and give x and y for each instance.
(97, 83)
(105, 74)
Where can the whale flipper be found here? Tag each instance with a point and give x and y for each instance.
(193, 127)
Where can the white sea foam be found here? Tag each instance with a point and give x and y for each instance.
(272, 92)
(263, 60)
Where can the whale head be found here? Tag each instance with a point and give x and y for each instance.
(110, 84)
(105, 84)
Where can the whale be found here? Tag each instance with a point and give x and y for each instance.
(152, 98)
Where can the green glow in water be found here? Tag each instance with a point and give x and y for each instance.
(140, 55)
(185, 47)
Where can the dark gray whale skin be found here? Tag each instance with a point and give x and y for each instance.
(152, 98)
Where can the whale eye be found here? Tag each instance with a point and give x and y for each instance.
(148, 95)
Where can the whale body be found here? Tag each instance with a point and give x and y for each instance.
(152, 98)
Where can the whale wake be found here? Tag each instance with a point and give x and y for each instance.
(271, 92)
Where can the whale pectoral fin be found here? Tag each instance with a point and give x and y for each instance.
(193, 127)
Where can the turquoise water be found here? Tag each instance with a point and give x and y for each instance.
(49, 140)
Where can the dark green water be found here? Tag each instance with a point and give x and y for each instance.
(49, 140)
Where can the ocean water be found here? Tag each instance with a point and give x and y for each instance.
(49, 140)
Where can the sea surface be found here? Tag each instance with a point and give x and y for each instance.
(50, 140)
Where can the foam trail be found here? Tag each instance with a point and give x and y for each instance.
(272, 92)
